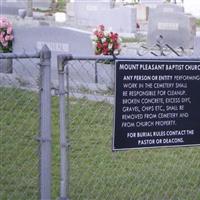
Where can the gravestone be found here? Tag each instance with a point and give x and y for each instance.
(59, 41)
(177, 29)
(112, 18)
(83, 8)
(11, 7)
(166, 8)
(93, 13)
(62, 40)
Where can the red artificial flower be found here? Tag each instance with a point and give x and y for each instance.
(116, 46)
(105, 44)
(100, 35)
(105, 51)
(101, 27)
(99, 45)
(113, 36)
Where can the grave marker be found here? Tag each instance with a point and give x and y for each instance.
(93, 13)
(177, 29)
(169, 7)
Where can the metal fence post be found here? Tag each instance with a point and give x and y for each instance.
(45, 124)
(64, 143)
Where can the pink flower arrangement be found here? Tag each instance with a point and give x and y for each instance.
(106, 43)
(6, 35)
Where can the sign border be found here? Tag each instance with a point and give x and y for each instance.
(114, 113)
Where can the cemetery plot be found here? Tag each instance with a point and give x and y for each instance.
(156, 104)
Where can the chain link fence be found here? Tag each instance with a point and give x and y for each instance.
(88, 168)
(95, 171)
(21, 126)
(19, 105)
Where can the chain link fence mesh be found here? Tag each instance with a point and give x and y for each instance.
(96, 172)
(19, 128)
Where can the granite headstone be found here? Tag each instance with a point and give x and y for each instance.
(59, 41)
(177, 29)
(93, 13)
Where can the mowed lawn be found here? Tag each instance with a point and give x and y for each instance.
(95, 171)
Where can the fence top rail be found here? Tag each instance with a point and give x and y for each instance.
(68, 57)
(21, 55)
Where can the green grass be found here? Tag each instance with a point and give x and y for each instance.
(95, 171)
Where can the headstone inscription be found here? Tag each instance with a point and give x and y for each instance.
(159, 108)
(177, 29)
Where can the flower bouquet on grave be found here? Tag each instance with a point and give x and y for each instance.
(6, 44)
(106, 42)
